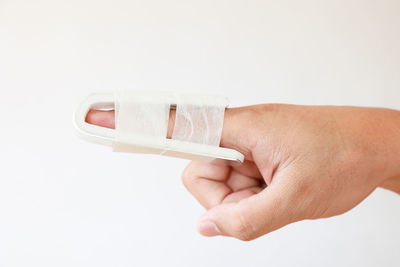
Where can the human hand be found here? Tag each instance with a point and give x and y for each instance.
(301, 162)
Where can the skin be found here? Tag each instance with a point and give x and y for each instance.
(301, 162)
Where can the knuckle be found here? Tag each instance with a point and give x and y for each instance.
(187, 175)
(242, 228)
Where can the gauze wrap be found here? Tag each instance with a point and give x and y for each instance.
(142, 119)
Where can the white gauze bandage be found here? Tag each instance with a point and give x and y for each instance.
(199, 120)
(142, 120)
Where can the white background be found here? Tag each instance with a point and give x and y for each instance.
(64, 202)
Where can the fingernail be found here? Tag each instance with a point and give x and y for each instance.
(208, 228)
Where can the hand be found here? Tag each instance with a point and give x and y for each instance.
(301, 162)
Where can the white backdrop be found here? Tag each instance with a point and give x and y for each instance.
(64, 202)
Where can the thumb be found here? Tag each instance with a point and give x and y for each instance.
(251, 217)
